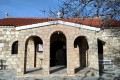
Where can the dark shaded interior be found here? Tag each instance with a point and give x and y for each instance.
(15, 47)
(58, 53)
(58, 50)
(82, 44)
(100, 56)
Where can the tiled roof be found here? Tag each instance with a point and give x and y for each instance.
(22, 21)
(95, 22)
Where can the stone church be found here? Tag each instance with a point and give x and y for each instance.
(51, 44)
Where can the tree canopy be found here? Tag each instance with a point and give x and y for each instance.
(88, 9)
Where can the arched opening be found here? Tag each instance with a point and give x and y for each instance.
(31, 59)
(15, 48)
(58, 58)
(81, 47)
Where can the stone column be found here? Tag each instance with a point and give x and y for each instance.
(21, 54)
(93, 55)
(96, 55)
(46, 59)
(70, 57)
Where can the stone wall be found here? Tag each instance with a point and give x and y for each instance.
(8, 35)
(111, 37)
(71, 33)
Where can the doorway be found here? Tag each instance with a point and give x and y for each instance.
(58, 54)
(31, 54)
(100, 56)
(81, 47)
(58, 59)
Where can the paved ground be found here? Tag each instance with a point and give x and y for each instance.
(60, 78)
(59, 73)
(53, 70)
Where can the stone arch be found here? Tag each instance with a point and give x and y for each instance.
(11, 42)
(31, 49)
(58, 32)
(81, 47)
(58, 50)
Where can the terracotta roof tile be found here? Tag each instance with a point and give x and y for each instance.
(95, 22)
(22, 21)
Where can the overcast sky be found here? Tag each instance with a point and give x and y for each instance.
(26, 8)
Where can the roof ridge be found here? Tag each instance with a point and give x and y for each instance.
(56, 18)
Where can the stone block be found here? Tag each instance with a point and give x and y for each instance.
(8, 32)
(19, 70)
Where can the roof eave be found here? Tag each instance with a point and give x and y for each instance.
(57, 22)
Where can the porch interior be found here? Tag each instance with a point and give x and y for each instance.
(59, 70)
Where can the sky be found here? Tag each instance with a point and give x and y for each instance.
(26, 8)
